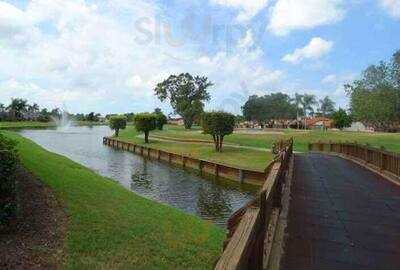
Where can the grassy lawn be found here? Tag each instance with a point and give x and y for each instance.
(111, 227)
(390, 141)
(240, 158)
(25, 124)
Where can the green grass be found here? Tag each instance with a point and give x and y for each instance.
(391, 141)
(25, 124)
(111, 227)
(237, 157)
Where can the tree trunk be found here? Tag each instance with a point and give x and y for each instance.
(146, 137)
(116, 132)
(188, 123)
(220, 143)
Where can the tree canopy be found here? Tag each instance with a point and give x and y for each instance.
(218, 125)
(326, 107)
(375, 98)
(118, 122)
(268, 107)
(187, 95)
(161, 118)
(145, 122)
(341, 119)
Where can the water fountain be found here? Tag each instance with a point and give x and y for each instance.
(64, 122)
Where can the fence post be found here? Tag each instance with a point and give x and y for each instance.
(382, 158)
(241, 176)
(158, 154)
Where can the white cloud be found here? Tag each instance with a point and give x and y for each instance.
(317, 48)
(289, 15)
(392, 7)
(247, 8)
(89, 56)
(329, 79)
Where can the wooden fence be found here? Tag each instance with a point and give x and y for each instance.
(251, 228)
(378, 158)
(203, 166)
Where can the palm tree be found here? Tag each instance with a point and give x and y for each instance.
(298, 101)
(327, 106)
(308, 102)
(17, 108)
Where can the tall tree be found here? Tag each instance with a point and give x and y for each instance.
(187, 95)
(308, 102)
(298, 101)
(326, 106)
(17, 108)
(375, 98)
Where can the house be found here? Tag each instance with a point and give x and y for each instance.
(359, 127)
(176, 120)
(320, 123)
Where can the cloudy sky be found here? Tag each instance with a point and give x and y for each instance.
(107, 56)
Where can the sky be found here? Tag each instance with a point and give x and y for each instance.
(108, 56)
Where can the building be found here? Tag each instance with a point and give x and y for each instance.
(320, 123)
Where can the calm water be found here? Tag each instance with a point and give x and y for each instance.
(210, 199)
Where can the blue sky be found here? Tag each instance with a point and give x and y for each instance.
(107, 56)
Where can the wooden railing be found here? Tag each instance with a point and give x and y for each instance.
(251, 228)
(378, 158)
(205, 167)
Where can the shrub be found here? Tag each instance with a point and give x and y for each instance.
(218, 125)
(8, 165)
(145, 122)
(118, 122)
(341, 119)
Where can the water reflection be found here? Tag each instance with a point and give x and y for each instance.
(210, 199)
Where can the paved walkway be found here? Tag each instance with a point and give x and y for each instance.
(341, 217)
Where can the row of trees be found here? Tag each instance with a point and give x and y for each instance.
(375, 97)
(265, 109)
(20, 110)
(144, 122)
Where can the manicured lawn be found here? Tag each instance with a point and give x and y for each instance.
(233, 156)
(111, 227)
(391, 141)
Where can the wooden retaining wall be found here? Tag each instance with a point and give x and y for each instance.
(252, 228)
(378, 159)
(203, 166)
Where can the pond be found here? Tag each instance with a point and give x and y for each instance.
(211, 199)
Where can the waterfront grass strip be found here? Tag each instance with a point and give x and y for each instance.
(111, 227)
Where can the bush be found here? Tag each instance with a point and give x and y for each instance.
(8, 165)
(118, 122)
(145, 122)
(218, 125)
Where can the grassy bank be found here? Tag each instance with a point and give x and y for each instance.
(301, 138)
(26, 124)
(111, 227)
(233, 156)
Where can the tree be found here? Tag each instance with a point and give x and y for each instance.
(186, 94)
(161, 118)
(276, 106)
(218, 125)
(145, 122)
(118, 122)
(341, 119)
(375, 98)
(326, 107)
(17, 108)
